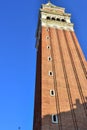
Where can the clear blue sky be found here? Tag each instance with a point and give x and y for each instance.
(18, 22)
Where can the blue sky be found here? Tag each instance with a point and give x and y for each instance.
(18, 23)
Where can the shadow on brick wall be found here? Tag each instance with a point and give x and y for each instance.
(67, 120)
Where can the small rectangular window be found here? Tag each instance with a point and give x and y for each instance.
(50, 73)
(52, 92)
(48, 47)
(47, 37)
(49, 58)
(54, 119)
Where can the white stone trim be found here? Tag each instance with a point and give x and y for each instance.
(50, 5)
(54, 12)
(44, 15)
(59, 26)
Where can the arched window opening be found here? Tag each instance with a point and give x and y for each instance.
(63, 20)
(50, 73)
(48, 47)
(48, 18)
(53, 18)
(52, 92)
(58, 19)
(54, 119)
(47, 37)
(49, 58)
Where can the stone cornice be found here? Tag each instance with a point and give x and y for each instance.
(50, 5)
(56, 13)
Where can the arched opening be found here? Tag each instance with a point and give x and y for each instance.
(50, 73)
(49, 58)
(52, 92)
(53, 18)
(54, 119)
(48, 18)
(48, 47)
(63, 20)
(47, 37)
(58, 19)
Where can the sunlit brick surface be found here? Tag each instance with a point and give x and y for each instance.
(69, 82)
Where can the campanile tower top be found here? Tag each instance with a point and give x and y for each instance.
(54, 16)
(61, 80)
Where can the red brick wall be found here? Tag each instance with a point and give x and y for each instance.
(69, 82)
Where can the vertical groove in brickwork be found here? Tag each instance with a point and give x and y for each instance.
(67, 83)
(55, 84)
(77, 50)
(76, 75)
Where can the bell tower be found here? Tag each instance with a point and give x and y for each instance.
(61, 73)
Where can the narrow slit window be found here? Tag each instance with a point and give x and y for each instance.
(48, 47)
(52, 92)
(47, 37)
(53, 18)
(54, 119)
(49, 58)
(50, 73)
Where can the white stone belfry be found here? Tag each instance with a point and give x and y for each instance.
(53, 16)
